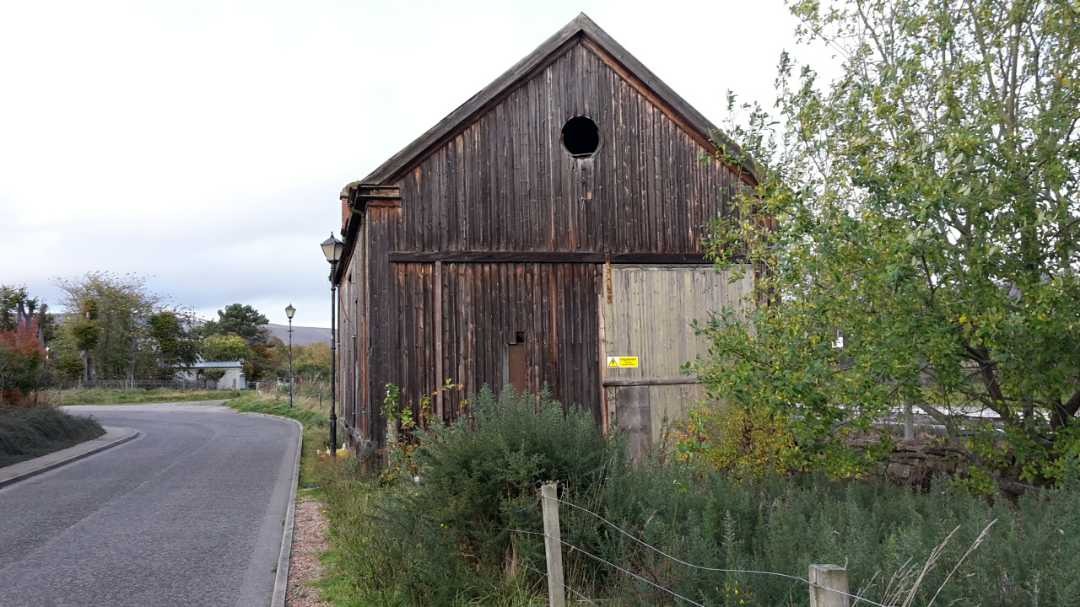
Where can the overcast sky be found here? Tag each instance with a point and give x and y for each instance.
(203, 144)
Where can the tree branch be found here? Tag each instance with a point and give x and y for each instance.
(1064, 413)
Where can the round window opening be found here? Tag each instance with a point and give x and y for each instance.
(580, 136)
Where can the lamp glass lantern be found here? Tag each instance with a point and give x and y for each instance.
(289, 311)
(332, 248)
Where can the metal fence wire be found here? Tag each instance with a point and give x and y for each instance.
(856, 598)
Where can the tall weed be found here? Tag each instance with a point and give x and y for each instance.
(468, 530)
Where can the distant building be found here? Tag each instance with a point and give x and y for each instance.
(232, 374)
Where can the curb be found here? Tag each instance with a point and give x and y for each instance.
(281, 576)
(113, 437)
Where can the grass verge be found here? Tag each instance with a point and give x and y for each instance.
(109, 396)
(350, 499)
(26, 433)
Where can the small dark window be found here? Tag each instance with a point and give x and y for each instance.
(580, 136)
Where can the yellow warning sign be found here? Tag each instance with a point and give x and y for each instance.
(622, 362)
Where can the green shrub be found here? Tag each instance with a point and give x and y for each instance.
(448, 539)
(474, 516)
(26, 433)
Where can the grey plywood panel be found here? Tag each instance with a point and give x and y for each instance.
(652, 309)
(650, 314)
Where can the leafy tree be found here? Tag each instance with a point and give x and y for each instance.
(65, 354)
(112, 327)
(311, 362)
(22, 362)
(267, 359)
(242, 320)
(922, 208)
(23, 324)
(15, 302)
(248, 323)
(225, 347)
(175, 345)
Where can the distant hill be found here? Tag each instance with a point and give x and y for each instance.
(301, 336)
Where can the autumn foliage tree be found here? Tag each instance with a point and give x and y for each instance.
(22, 347)
(925, 217)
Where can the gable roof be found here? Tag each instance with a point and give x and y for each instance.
(581, 27)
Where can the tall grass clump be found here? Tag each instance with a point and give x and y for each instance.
(30, 432)
(461, 525)
(882, 533)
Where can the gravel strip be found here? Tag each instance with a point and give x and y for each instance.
(309, 541)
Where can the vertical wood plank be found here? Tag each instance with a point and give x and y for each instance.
(437, 330)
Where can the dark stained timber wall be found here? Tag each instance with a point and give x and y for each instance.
(505, 183)
(549, 309)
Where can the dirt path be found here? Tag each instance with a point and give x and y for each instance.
(309, 541)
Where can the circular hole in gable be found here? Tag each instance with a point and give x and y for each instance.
(580, 136)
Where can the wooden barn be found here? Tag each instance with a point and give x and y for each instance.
(547, 232)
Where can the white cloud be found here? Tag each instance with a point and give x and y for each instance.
(203, 143)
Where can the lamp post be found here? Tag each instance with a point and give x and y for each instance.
(289, 311)
(332, 248)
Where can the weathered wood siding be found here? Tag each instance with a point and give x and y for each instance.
(353, 322)
(348, 316)
(648, 312)
(505, 182)
(483, 308)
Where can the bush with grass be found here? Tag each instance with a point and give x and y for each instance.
(445, 536)
(30, 432)
(468, 530)
(253, 403)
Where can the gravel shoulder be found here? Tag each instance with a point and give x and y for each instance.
(309, 543)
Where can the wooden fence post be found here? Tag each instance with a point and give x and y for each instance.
(825, 580)
(553, 544)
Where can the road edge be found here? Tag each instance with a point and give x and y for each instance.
(114, 436)
(281, 575)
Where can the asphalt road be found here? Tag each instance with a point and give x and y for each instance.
(189, 513)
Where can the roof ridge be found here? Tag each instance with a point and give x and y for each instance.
(580, 25)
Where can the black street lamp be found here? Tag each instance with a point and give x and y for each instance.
(289, 311)
(332, 249)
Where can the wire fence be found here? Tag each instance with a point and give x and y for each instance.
(142, 384)
(901, 597)
(580, 595)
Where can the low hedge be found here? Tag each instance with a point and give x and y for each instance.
(30, 432)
